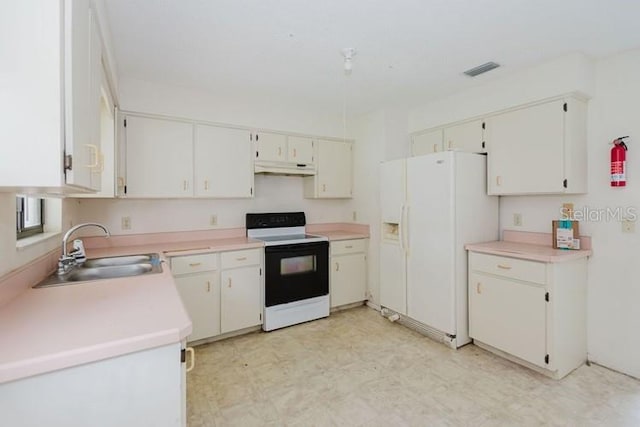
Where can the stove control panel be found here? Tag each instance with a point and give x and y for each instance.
(275, 220)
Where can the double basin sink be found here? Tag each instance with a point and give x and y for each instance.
(106, 268)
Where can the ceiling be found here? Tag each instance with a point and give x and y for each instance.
(408, 50)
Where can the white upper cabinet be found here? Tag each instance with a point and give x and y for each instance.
(427, 142)
(279, 153)
(223, 162)
(48, 89)
(159, 158)
(300, 150)
(538, 149)
(333, 178)
(271, 147)
(465, 137)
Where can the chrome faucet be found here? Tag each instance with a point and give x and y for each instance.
(70, 259)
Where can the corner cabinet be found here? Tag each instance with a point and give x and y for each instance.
(51, 79)
(334, 174)
(538, 149)
(348, 278)
(531, 312)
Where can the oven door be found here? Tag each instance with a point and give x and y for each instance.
(296, 272)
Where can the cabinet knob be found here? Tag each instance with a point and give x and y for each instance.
(450, 144)
(206, 184)
(242, 258)
(279, 151)
(349, 246)
(294, 153)
(195, 264)
(504, 267)
(229, 285)
(337, 266)
(185, 185)
(435, 148)
(479, 288)
(498, 180)
(208, 286)
(324, 187)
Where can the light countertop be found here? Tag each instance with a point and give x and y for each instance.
(47, 329)
(334, 235)
(527, 251)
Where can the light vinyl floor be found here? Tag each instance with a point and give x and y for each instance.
(356, 368)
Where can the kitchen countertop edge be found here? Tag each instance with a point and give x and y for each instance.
(527, 251)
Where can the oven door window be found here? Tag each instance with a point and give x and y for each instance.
(298, 265)
(296, 272)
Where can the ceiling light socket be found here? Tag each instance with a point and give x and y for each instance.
(348, 53)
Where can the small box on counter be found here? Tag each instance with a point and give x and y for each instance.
(566, 234)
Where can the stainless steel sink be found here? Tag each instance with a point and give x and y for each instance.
(106, 268)
(118, 260)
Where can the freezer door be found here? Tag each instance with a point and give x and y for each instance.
(430, 242)
(392, 190)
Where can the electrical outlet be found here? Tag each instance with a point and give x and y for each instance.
(213, 220)
(354, 216)
(517, 219)
(628, 225)
(126, 223)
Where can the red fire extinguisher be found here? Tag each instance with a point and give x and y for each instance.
(618, 162)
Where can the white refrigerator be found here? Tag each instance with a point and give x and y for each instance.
(431, 206)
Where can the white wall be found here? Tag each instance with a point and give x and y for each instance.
(613, 290)
(272, 193)
(381, 135)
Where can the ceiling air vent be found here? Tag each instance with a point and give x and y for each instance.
(481, 69)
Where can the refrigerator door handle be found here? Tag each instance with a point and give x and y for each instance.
(405, 229)
(401, 228)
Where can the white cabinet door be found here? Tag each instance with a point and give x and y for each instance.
(271, 147)
(200, 295)
(465, 137)
(334, 169)
(509, 315)
(241, 302)
(79, 137)
(425, 143)
(95, 104)
(300, 150)
(348, 279)
(526, 150)
(159, 157)
(223, 162)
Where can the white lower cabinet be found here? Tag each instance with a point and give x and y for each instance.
(348, 278)
(144, 388)
(532, 312)
(241, 293)
(222, 292)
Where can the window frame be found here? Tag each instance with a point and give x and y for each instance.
(21, 231)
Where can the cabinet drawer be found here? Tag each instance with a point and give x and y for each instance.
(194, 263)
(528, 271)
(342, 247)
(241, 258)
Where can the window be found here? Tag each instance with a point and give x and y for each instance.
(29, 216)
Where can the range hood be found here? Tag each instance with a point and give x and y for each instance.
(284, 168)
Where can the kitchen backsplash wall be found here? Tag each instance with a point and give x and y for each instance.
(272, 194)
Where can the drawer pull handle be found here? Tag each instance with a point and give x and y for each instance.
(192, 353)
(479, 288)
(242, 258)
(349, 247)
(195, 264)
(504, 267)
